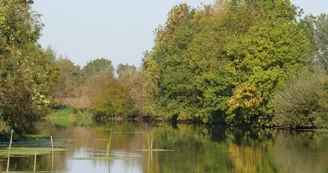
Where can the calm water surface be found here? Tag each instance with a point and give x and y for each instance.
(195, 149)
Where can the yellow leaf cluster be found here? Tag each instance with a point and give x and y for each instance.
(244, 97)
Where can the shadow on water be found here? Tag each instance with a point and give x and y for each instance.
(179, 148)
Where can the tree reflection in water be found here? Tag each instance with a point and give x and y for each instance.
(196, 148)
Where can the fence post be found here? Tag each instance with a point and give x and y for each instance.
(11, 140)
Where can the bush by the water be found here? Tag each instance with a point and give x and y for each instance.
(303, 103)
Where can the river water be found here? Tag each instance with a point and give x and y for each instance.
(150, 148)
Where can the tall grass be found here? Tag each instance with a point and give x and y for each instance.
(67, 116)
(83, 117)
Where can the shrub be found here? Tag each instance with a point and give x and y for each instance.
(303, 103)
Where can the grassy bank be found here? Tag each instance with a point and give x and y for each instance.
(65, 117)
(62, 117)
(63, 113)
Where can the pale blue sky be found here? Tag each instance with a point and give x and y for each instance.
(117, 30)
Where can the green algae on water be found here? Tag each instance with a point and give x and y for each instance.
(27, 151)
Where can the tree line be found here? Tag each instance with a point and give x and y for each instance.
(234, 62)
(257, 63)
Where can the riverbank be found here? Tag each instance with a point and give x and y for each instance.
(66, 116)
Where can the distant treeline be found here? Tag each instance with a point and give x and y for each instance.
(235, 62)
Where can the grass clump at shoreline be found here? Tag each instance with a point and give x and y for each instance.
(63, 113)
(67, 116)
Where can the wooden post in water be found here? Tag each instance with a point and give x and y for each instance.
(34, 168)
(109, 142)
(11, 140)
(52, 153)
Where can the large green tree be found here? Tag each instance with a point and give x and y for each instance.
(264, 59)
(225, 61)
(26, 71)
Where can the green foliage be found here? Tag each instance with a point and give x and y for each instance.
(303, 103)
(18, 26)
(112, 100)
(27, 72)
(96, 66)
(321, 37)
(317, 32)
(224, 62)
(106, 95)
(124, 70)
(142, 92)
(273, 49)
(68, 80)
(192, 83)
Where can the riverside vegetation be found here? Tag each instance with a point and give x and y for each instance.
(233, 62)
